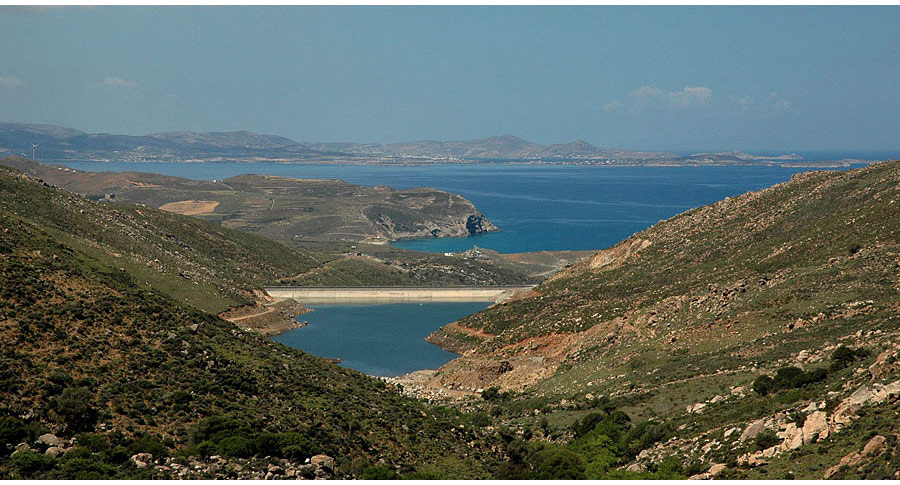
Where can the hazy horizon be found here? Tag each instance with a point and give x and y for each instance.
(682, 79)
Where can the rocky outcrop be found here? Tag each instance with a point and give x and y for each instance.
(872, 449)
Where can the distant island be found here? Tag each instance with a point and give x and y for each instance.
(61, 144)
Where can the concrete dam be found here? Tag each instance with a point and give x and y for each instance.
(393, 294)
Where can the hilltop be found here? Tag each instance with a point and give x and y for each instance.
(286, 209)
(58, 144)
(105, 375)
(682, 324)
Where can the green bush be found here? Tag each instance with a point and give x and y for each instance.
(512, 471)
(378, 472)
(789, 377)
(87, 469)
(29, 462)
(12, 431)
(75, 407)
(94, 442)
(642, 436)
(481, 420)
(763, 385)
(148, 444)
(286, 445)
(765, 440)
(843, 356)
(557, 464)
(237, 446)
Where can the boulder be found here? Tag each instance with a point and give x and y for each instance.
(875, 446)
(815, 427)
(50, 439)
(769, 452)
(860, 396)
(752, 430)
(142, 460)
(635, 468)
(881, 366)
(793, 437)
(886, 391)
(717, 469)
(54, 451)
(322, 461)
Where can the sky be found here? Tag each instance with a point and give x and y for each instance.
(760, 79)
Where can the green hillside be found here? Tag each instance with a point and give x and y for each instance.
(689, 313)
(115, 367)
(187, 259)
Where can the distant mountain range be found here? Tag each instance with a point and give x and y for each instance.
(59, 144)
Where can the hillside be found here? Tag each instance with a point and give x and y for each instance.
(285, 209)
(103, 377)
(678, 323)
(187, 259)
(59, 144)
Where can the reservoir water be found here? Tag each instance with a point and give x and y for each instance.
(381, 340)
(537, 207)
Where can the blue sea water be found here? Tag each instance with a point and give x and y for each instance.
(537, 207)
(381, 340)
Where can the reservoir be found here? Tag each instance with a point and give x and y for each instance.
(382, 340)
(537, 207)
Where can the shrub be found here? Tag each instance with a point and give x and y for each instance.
(763, 385)
(765, 440)
(557, 464)
(512, 471)
(29, 462)
(285, 445)
(588, 423)
(87, 469)
(94, 442)
(148, 444)
(378, 472)
(843, 356)
(788, 377)
(12, 431)
(491, 394)
(642, 436)
(75, 407)
(481, 420)
(237, 446)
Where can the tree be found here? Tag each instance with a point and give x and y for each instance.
(763, 385)
(75, 407)
(557, 464)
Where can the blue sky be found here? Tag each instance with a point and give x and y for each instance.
(679, 78)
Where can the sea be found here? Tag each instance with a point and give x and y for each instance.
(537, 207)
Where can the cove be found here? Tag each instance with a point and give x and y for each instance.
(382, 340)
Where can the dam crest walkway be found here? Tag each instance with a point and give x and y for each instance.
(393, 294)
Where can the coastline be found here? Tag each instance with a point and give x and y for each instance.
(268, 319)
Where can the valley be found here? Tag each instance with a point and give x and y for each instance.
(649, 359)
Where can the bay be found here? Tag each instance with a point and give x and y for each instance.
(537, 207)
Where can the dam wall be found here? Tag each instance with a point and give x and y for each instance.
(390, 294)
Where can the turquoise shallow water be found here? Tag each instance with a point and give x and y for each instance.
(382, 340)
